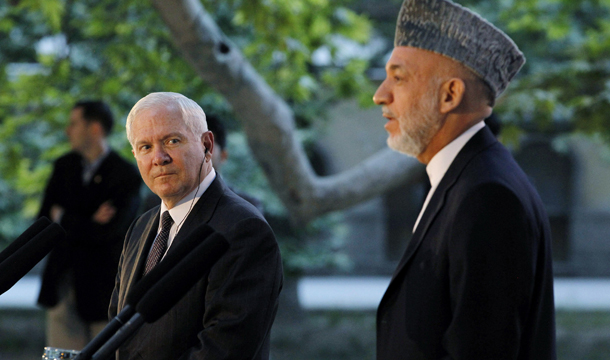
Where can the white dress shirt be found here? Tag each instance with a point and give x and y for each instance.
(439, 164)
(184, 207)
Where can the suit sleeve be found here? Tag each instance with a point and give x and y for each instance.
(242, 295)
(492, 255)
(50, 193)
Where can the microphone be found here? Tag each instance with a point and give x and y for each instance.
(168, 291)
(179, 251)
(24, 259)
(26, 236)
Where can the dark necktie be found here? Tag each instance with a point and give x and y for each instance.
(160, 245)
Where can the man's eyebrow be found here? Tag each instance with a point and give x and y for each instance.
(173, 134)
(167, 136)
(141, 142)
(396, 68)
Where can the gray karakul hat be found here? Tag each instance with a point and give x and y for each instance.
(449, 29)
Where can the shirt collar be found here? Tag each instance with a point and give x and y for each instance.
(184, 206)
(90, 168)
(439, 164)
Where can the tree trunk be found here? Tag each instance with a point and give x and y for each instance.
(269, 124)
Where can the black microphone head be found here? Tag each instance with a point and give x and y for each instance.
(172, 287)
(30, 254)
(26, 236)
(174, 255)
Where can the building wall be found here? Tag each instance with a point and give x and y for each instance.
(573, 180)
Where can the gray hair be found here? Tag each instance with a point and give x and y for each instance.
(192, 114)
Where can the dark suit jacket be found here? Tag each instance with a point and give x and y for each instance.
(91, 251)
(476, 280)
(227, 314)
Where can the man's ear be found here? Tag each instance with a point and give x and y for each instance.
(207, 139)
(452, 95)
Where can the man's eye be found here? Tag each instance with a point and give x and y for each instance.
(144, 147)
(173, 141)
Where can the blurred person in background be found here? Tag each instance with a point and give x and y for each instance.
(216, 126)
(93, 193)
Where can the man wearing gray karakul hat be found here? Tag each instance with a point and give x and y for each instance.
(476, 279)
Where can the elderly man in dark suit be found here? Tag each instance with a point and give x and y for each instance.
(228, 314)
(476, 279)
(94, 194)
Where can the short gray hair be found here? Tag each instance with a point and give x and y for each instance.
(192, 114)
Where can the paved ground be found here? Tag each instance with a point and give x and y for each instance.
(322, 331)
(362, 293)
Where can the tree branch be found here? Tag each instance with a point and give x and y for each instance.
(269, 122)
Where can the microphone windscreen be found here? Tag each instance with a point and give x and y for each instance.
(23, 260)
(178, 251)
(26, 236)
(172, 287)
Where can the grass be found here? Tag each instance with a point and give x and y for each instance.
(583, 335)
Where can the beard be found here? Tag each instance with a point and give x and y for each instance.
(417, 127)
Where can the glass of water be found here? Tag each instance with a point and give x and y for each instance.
(51, 353)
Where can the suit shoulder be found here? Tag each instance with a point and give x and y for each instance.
(495, 165)
(231, 202)
(119, 160)
(140, 222)
(232, 211)
(494, 178)
(120, 166)
(68, 159)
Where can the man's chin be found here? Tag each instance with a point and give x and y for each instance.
(403, 147)
(165, 191)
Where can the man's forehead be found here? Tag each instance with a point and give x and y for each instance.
(157, 123)
(76, 112)
(405, 59)
(417, 60)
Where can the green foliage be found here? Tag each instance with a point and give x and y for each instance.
(565, 83)
(318, 245)
(119, 51)
(115, 51)
(279, 38)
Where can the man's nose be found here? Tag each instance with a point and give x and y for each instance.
(161, 156)
(382, 95)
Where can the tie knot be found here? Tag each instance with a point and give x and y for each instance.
(166, 220)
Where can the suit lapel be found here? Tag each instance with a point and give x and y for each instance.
(200, 214)
(148, 232)
(480, 141)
